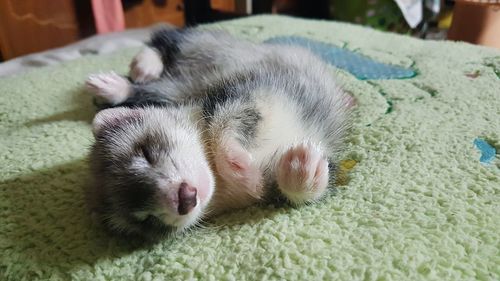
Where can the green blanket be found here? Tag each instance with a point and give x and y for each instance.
(417, 205)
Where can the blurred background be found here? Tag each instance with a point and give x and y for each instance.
(30, 26)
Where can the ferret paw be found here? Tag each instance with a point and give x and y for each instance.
(111, 87)
(235, 165)
(146, 66)
(302, 173)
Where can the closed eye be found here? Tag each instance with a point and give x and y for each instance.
(147, 154)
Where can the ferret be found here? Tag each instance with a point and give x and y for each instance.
(208, 123)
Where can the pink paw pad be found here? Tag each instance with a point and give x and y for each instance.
(235, 165)
(303, 173)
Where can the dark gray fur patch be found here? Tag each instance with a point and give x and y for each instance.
(152, 148)
(167, 41)
(234, 90)
(125, 193)
(247, 121)
(228, 89)
(123, 190)
(147, 96)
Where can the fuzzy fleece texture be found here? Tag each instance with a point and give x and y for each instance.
(418, 204)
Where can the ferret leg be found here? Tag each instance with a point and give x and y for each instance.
(302, 173)
(236, 167)
(146, 66)
(110, 87)
(160, 53)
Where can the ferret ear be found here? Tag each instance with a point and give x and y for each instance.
(113, 117)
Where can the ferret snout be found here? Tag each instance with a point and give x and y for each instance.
(187, 198)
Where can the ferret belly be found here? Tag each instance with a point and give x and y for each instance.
(280, 128)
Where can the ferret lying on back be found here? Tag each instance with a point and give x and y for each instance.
(212, 123)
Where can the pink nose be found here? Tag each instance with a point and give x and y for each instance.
(187, 198)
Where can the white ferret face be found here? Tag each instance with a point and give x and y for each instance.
(150, 170)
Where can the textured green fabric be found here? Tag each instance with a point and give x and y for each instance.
(418, 205)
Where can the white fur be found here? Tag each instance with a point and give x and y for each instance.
(281, 126)
(146, 66)
(186, 163)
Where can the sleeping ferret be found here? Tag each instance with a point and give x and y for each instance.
(209, 123)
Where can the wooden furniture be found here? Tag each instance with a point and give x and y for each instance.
(31, 26)
(144, 13)
(28, 26)
(476, 22)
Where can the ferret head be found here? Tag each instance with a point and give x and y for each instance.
(150, 170)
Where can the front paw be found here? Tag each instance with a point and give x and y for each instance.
(146, 66)
(302, 173)
(110, 87)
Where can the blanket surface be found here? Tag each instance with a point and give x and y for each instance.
(417, 204)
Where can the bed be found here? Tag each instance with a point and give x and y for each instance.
(416, 198)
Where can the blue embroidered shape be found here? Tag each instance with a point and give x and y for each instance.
(360, 66)
(487, 151)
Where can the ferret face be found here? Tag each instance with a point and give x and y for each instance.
(150, 169)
